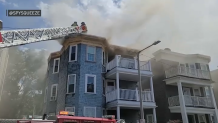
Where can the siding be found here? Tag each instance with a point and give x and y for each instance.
(52, 79)
(95, 68)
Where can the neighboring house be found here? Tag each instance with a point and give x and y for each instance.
(3, 67)
(183, 87)
(92, 78)
(214, 75)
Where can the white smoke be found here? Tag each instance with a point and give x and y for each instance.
(183, 26)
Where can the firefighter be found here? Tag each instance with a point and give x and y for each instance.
(74, 24)
(83, 27)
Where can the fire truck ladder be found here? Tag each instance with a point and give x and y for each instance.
(20, 37)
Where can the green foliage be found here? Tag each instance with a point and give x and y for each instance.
(24, 83)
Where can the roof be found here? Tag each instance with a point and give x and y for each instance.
(84, 38)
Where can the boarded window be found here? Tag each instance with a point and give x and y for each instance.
(90, 111)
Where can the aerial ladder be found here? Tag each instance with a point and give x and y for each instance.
(9, 38)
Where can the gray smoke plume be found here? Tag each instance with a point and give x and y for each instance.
(183, 26)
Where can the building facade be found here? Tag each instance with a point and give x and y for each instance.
(183, 87)
(214, 75)
(92, 78)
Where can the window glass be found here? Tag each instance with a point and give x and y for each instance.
(71, 83)
(90, 84)
(91, 53)
(56, 65)
(72, 53)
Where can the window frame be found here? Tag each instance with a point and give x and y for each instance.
(88, 107)
(70, 51)
(70, 107)
(86, 82)
(56, 59)
(87, 46)
(52, 91)
(68, 84)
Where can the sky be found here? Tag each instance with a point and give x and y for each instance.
(185, 26)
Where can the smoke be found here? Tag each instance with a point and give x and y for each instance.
(183, 26)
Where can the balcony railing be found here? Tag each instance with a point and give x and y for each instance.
(193, 101)
(127, 63)
(129, 95)
(186, 71)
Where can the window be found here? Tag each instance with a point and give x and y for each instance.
(212, 119)
(103, 57)
(45, 97)
(91, 53)
(70, 109)
(90, 111)
(103, 86)
(197, 91)
(90, 86)
(54, 92)
(71, 84)
(204, 67)
(149, 118)
(207, 92)
(56, 65)
(73, 53)
(202, 118)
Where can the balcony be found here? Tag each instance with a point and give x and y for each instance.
(128, 95)
(127, 63)
(186, 71)
(191, 101)
(127, 66)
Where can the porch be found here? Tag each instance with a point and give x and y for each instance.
(127, 66)
(187, 71)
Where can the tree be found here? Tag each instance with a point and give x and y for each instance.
(24, 84)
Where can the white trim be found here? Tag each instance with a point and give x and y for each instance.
(73, 107)
(74, 83)
(205, 120)
(87, 53)
(151, 116)
(70, 50)
(46, 95)
(89, 107)
(55, 93)
(86, 80)
(57, 59)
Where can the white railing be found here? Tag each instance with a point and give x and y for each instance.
(127, 63)
(186, 71)
(191, 101)
(129, 95)
(111, 96)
